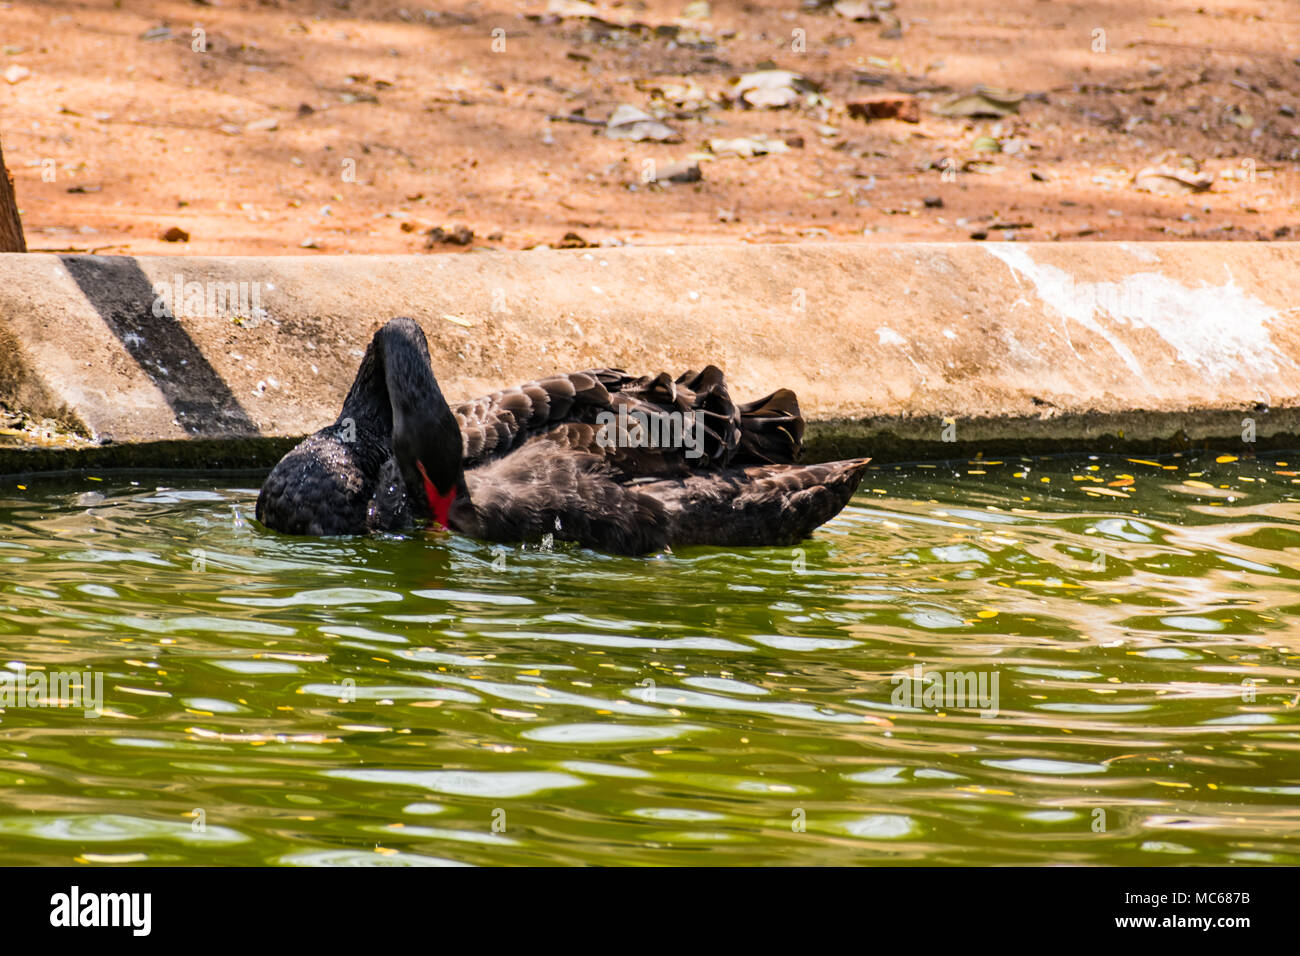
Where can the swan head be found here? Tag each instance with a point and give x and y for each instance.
(428, 452)
(426, 437)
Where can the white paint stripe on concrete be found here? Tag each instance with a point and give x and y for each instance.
(1218, 329)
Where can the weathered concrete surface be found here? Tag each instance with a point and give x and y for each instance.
(1027, 347)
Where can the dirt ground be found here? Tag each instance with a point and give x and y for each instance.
(285, 126)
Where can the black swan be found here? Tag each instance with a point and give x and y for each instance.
(581, 457)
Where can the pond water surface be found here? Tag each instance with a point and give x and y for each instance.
(1135, 625)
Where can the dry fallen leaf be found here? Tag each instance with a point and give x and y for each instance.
(1172, 180)
(629, 122)
(985, 101)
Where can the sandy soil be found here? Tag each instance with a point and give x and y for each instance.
(360, 126)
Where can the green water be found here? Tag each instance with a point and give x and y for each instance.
(271, 700)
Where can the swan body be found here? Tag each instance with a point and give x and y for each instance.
(615, 462)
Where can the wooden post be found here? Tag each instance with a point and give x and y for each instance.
(11, 227)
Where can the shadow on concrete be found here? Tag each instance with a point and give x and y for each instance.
(123, 296)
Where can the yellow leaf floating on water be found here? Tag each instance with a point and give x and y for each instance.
(1108, 492)
(1143, 461)
(1224, 459)
(986, 614)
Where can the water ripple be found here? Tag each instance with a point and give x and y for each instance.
(277, 700)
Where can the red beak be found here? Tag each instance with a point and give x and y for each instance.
(439, 503)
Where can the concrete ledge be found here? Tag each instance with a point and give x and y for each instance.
(907, 351)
